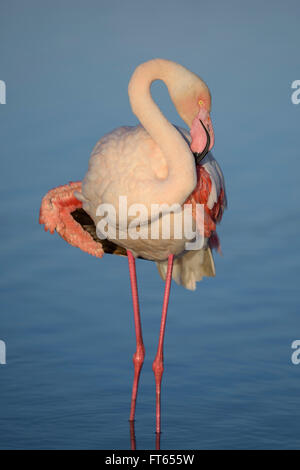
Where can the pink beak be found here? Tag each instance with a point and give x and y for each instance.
(202, 134)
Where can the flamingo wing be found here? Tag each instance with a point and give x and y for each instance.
(56, 211)
(210, 191)
(62, 212)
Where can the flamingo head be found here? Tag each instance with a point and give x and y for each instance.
(202, 133)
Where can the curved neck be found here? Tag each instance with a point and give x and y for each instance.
(182, 175)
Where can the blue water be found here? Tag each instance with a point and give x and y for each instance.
(66, 318)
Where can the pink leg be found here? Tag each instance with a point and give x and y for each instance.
(132, 436)
(158, 364)
(138, 357)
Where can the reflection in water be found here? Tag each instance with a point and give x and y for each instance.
(133, 440)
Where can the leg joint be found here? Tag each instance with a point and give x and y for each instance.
(139, 355)
(158, 368)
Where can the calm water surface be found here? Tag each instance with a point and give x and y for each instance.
(67, 318)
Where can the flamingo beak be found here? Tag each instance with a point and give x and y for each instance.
(202, 135)
(199, 156)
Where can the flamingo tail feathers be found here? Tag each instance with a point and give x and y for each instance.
(190, 268)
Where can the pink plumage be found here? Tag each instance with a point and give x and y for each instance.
(55, 213)
(152, 163)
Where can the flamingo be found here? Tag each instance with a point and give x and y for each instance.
(154, 162)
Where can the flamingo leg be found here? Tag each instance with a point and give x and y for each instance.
(158, 364)
(138, 357)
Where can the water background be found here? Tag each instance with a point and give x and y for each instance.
(66, 317)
